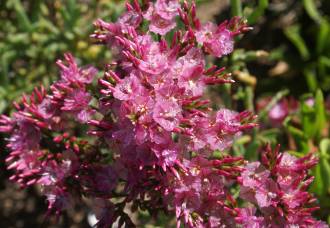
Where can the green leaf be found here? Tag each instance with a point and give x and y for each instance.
(310, 76)
(36, 10)
(318, 184)
(320, 114)
(5, 59)
(324, 167)
(311, 10)
(307, 115)
(313, 118)
(258, 12)
(323, 36)
(293, 34)
(323, 66)
(325, 172)
(251, 152)
(3, 105)
(325, 148)
(298, 135)
(325, 61)
(22, 17)
(296, 153)
(268, 136)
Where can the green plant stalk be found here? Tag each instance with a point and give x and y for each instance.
(249, 98)
(227, 95)
(236, 8)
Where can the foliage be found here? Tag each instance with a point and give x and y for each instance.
(36, 33)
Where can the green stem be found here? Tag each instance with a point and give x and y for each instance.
(236, 8)
(249, 98)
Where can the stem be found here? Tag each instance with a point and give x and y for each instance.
(249, 98)
(236, 7)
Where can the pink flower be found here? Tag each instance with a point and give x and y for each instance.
(77, 102)
(100, 180)
(167, 155)
(167, 114)
(155, 60)
(161, 16)
(72, 74)
(167, 9)
(206, 33)
(127, 88)
(254, 175)
(26, 137)
(217, 41)
(310, 102)
(276, 189)
(248, 219)
(130, 18)
(279, 112)
(161, 26)
(228, 121)
(155, 63)
(191, 81)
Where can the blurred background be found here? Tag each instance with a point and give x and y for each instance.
(282, 70)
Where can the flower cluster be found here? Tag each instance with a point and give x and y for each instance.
(280, 110)
(277, 189)
(44, 149)
(145, 137)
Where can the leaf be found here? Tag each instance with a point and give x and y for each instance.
(324, 151)
(3, 102)
(325, 174)
(325, 61)
(22, 17)
(269, 136)
(325, 148)
(251, 152)
(3, 105)
(320, 114)
(258, 12)
(310, 76)
(298, 135)
(36, 10)
(243, 140)
(307, 115)
(5, 59)
(311, 10)
(318, 184)
(323, 64)
(323, 36)
(293, 34)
